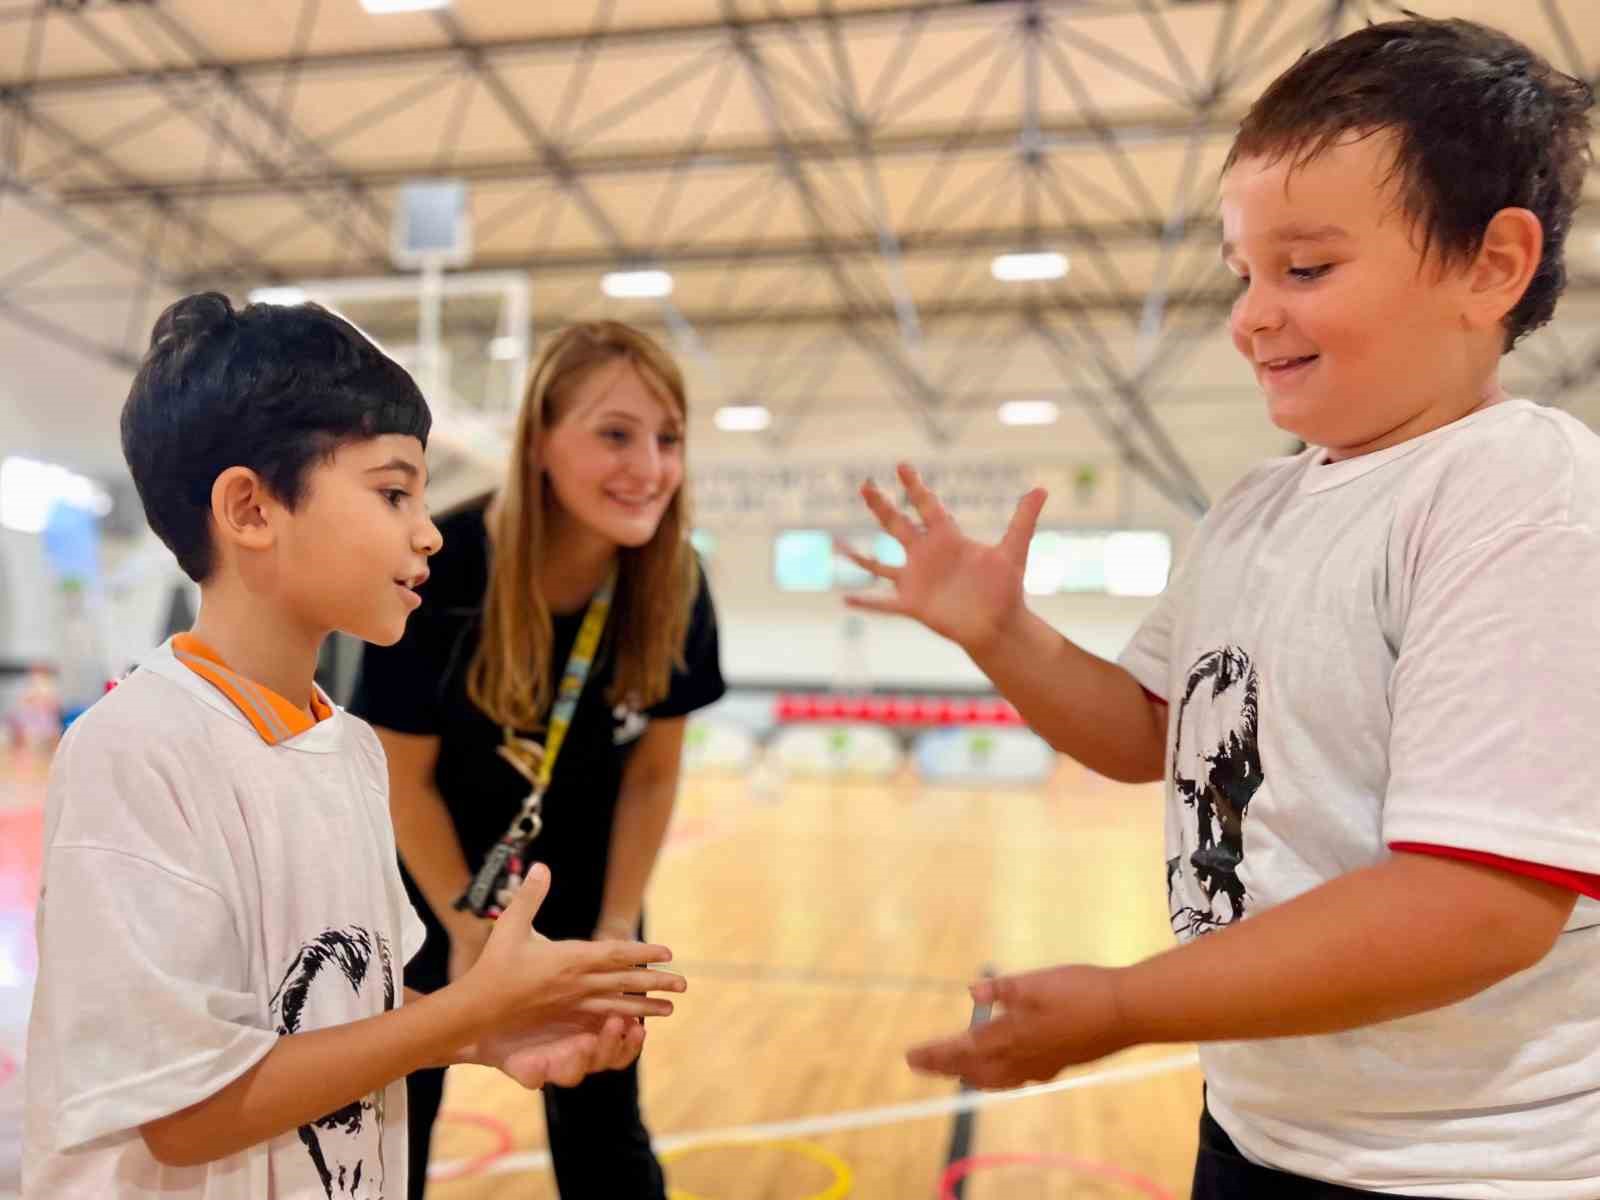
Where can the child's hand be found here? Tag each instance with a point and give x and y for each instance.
(561, 1052)
(1044, 1022)
(954, 585)
(524, 980)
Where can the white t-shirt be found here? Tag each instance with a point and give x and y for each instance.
(1401, 647)
(204, 893)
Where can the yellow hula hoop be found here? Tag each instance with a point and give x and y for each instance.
(843, 1179)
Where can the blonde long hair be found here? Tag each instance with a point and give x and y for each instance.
(509, 678)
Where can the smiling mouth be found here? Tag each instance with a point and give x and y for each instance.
(1287, 364)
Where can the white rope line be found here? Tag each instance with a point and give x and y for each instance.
(863, 1118)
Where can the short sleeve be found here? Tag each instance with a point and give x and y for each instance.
(145, 987)
(1148, 654)
(699, 681)
(1496, 701)
(401, 687)
(413, 932)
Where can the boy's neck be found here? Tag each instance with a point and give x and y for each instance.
(1436, 416)
(576, 562)
(261, 645)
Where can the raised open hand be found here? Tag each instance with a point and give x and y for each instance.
(956, 586)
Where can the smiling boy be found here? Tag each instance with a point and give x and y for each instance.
(220, 1013)
(1374, 682)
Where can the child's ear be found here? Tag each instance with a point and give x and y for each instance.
(1512, 247)
(239, 507)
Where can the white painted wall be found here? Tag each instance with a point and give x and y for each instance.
(127, 620)
(772, 636)
(142, 575)
(27, 611)
(812, 648)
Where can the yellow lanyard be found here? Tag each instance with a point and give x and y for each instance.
(524, 753)
(502, 868)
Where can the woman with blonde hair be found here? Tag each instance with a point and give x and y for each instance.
(534, 710)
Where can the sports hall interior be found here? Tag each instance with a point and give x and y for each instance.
(980, 236)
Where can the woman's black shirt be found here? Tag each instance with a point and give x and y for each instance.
(418, 686)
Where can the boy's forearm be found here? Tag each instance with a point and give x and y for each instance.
(1084, 706)
(309, 1075)
(457, 1054)
(1411, 934)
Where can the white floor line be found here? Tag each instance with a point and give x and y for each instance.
(864, 1118)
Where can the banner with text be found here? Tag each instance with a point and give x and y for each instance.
(982, 494)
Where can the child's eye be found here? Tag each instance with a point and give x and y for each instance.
(1305, 274)
(670, 439)
(395, 495)
(616, 436)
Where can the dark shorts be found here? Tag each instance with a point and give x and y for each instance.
(1222, 1173)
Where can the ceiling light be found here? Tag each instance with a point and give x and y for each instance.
(1017, 268)
(504, 348)
(742, 418)
(278, 295)
(636, 285)
(402, 6)
(1028, 412)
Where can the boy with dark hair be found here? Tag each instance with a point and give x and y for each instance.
(1372, 686)
(218, 1012)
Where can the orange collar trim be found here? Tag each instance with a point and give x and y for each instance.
(273, 717)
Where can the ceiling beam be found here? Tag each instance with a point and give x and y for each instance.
(899, 361)
(886, 144)
(808, 251)
(407, 59)
(843, 315)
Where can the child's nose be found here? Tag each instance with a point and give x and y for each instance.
(1256, 311)
(430, 539)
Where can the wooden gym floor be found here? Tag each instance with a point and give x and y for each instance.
(826, 926)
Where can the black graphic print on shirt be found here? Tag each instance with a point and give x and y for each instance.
(1216, 770)
(328, 972)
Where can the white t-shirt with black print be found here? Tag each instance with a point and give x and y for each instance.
(1398, 648)
(204, 893)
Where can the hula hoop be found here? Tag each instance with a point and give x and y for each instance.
(843, 1178)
